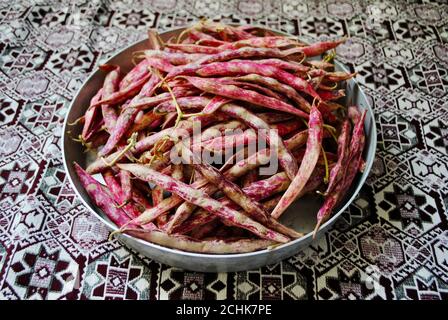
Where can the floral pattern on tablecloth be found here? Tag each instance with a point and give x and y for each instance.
(392, 243)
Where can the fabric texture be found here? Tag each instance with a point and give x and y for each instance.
(392, 243)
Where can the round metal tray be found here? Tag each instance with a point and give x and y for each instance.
(301, 215)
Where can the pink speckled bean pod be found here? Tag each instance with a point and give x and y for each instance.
(274, 84)
(285, 158)
(110, 86)
(153, 39)
(199, 35)
(331, 157)
(229, 188)
(282, 64)
(313, 147)
(160, 64)
(239, 169)
(339, 76)
(125, 93)
(149, 120)
(337, 172)
(271, 203)
(149, 141)
(273, 185)
(318, 48)
(237, 68)
(327, 115)
(316, 73)
(297, 140)
(286, 127)
(228, 55)
(101, 197)
(331, 95)
(100, 164)
(350, 170)
(201, 199)
(157, 195)
(222, 143)
(127, 116)
(185, 127)
(356, 148)
(246, 165)
(253, 86)
(126, 185)
(118, 194)
(175, 58)
(313, 183)
(136, 74)
(354, 114)
(233, 92)
(194, 48)
(263, 189)
(274, 117)
(169, 203)
(210, 43)
(218, 130)
(225, 32)
(201, 246)
(90, 115)
(143, 103)
(215, 104)
(260, 42)
(98, 139)
(257, 191)
(177, 174)
(185, 103)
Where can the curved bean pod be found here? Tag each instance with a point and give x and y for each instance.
(313, 147)
(201, 199)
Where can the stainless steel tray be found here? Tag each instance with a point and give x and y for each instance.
(301, 215)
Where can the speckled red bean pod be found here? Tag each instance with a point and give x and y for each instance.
(194, 48)
(236, 93)
(285, 158)
(343, 146)
(201, 246)
(327, 95)
(125, 93)
(119, 195)
(313, 148)
(228, 55)
(101, 197)
(199, 198)
(261, 42)
(90, 115)
(350, 170)
(136, 74)
(274, 84)
(257, 191)
(236, 68)
(126, 185)
(318, 48)
(175, 58)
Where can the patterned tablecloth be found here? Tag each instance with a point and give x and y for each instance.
(391, 244)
